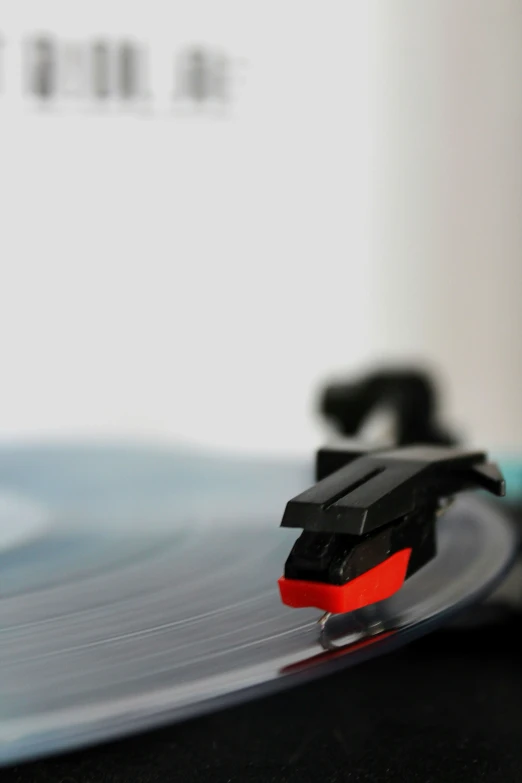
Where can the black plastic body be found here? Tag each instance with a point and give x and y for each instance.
(410, 394)
(368, 505)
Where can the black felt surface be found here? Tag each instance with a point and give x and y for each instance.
(448, 708)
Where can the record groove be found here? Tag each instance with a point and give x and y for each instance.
(134, 608)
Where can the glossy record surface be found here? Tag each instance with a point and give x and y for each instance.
(139, 586)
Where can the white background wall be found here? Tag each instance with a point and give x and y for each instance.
(359, 198)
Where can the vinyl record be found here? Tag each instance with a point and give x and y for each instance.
(139, 586)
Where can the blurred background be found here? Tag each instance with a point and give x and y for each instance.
(207, 209)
